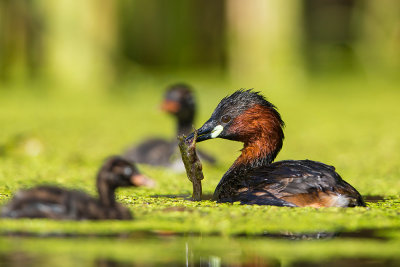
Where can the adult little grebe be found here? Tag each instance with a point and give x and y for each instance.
(179, 102)
(62, 204)
(246, 116)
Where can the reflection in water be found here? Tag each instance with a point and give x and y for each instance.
(200, 251)
(111, 263)
(19, 259)
(257, 261)
(349, 263)
(302, 236)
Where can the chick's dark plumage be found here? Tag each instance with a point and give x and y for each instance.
(62, 204)
(59, 204)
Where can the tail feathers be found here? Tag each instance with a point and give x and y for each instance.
(347, 201)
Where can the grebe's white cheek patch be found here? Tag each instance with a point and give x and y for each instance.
(216, 131)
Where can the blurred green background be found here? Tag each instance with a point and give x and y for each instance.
(95, 45)
(82, 80)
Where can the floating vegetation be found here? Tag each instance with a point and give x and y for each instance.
(76, 140)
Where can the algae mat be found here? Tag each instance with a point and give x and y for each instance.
(62, 140)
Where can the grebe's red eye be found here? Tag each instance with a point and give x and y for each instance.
(226, 119)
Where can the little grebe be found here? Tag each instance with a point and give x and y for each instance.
(58, 203)
(246, 116)
(179, 102)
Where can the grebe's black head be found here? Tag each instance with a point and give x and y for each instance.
(238, 116)
(118, 172)
(246, 116)
(179, 101)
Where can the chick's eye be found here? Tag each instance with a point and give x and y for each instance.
(226, 119)
(127, 171)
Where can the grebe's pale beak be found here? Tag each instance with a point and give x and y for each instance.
(209, 130)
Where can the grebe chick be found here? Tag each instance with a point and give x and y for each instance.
(246, 116)
(179, 102)
(61, 204)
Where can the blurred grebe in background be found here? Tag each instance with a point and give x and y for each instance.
(62, 204)
(179, 102)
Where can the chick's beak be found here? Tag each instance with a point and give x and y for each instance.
(142, 180)
(170, 106)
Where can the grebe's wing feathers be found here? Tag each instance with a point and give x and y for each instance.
(304, 182)
(257, 197)
(262, 197)
(295, 176)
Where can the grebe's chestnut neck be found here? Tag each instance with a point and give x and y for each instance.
(246, 116)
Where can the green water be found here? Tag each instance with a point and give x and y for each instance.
(199, 251)
(62, 140)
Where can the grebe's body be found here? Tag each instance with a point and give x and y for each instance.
(288, 183)
(62, 204)
(247, 117)
(179, 102)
